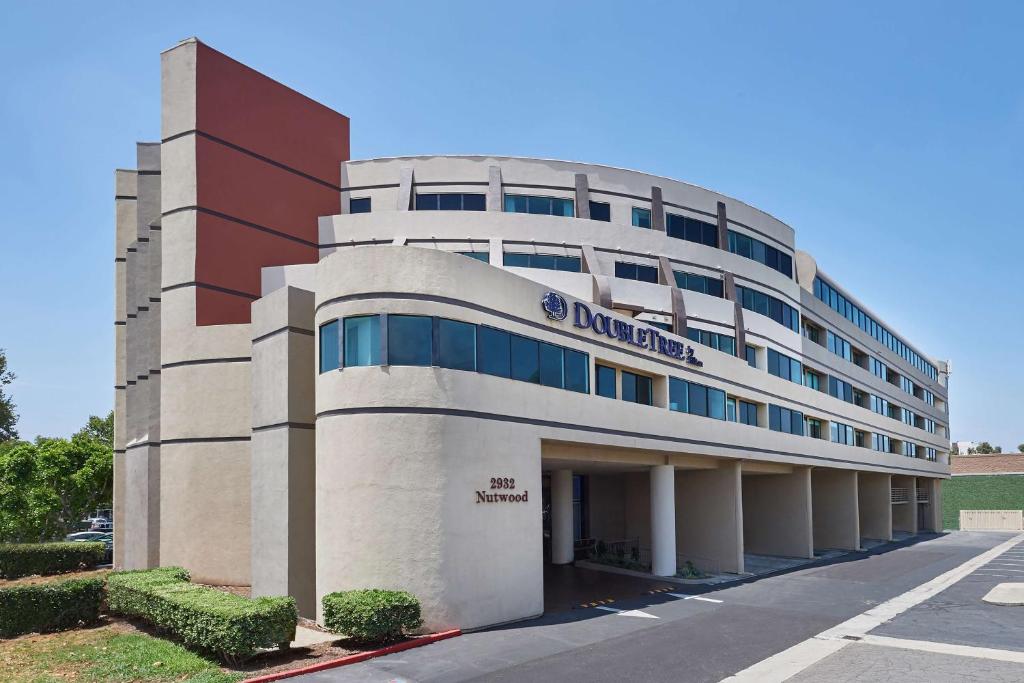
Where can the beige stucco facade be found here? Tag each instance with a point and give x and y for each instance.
(240, 456)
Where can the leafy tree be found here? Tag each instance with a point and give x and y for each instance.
(99, 428)
(985, 448)
(48, 485)
(8, 418)
(1020, 448)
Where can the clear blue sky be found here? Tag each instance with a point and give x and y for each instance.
(889, 135)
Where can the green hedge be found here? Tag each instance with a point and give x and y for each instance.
(980, 492)
(46, 607)
(27, 559)
(212, 621)
(372, 616)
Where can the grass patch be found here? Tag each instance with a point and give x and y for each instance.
(104, 655)
(980, 492)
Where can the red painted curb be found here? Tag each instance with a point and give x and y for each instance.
(356, 658)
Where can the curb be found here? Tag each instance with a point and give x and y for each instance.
(356, 658)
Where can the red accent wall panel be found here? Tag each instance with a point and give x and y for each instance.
(246, 108)
(265, 155)
(246, 188)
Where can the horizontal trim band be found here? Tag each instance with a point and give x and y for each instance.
(814, 410)
(281, 330)
(254, 155)
(206, 361)
(361, 188)
(215, 288)
(241, 221)
(497, 417)
(283, 425)
(206, 439)
(154, 444)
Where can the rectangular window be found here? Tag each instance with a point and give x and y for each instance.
(525, 359)
(330, 350)
(756, 250)
(730, 409)
(451, 201)
(641, 217)
(577, 371)
(813, 428)
(605, 381)
(842, 434)
(748, 413)
(716, 403)
(362, 340)
(492, 351)
(545, 261)
(812, 380)
(359, 205)
(691, 230)
(482, 256)
(635, 271)
(762, 303)
(600, 211)
(840, 389)
(637, 388)
(785, 367)
(456, 344)
(548, 206)
(751, 353)
(551, 365)
(678, 395)
(700, 283)
(410, 340)
(698, 398)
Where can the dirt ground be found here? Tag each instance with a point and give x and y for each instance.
(34, 580)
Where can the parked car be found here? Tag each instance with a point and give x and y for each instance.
(85, 536)
(108, 541)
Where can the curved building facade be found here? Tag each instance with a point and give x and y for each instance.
(487, 364)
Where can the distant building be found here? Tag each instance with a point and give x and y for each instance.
(964, 447)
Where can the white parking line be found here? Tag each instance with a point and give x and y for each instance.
(801, 656)
(693, 597)
(946, 648)
(628, 612)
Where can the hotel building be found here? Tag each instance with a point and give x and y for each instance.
(440, 373)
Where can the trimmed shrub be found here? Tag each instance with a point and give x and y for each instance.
(47, 607)
(27, 559)
(228, 626)
(372, 616)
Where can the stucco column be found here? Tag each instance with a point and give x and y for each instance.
(709, 517)
(835, 509)
(874, 505)
(904, 512)
(663, 520)
(777, 517)
(561, 517)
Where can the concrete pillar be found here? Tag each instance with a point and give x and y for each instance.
(561, 517)
(777, 516)
(663, 520)
(835, 509)
(874, 505)
(709, 518)
(283, 484)
(904, 514)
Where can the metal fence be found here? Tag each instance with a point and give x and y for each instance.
(900, 494)
(992, 520)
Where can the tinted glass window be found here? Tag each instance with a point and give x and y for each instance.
(492, 351)
(525, 359)
(716, 403)
(641, 217)
(678, 395)
(474, 202)
(600, 211)
(551, 365)
(551, 206)
(517, 260)
(359, 205)
(456, 342)
(362, 340)
(329, 348)
(751, 353)
(577, 371)
(605, 381)
(698, 396)
(410, 340)
(483, 256)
